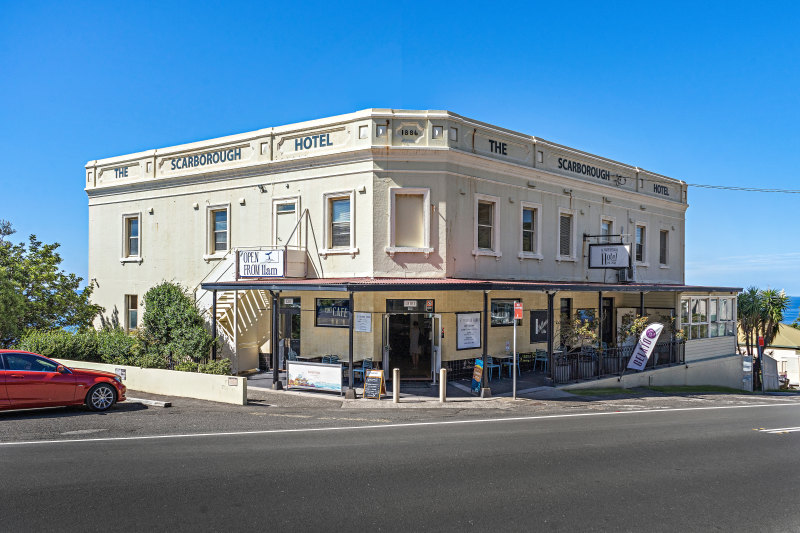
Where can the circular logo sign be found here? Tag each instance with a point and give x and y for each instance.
(651, 333)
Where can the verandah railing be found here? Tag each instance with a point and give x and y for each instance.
(589, 363)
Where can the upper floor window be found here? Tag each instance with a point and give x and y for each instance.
(566, 235)
(131, 238)
(641, 241)
(486, 226)
(218, 230)
(663, 242)
(410, 220)
(606, 230)
(339, 219)
(529, 230)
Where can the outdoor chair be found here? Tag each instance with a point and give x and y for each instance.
(366, 364)
(541, 357)
(509, 362)
(490, 364)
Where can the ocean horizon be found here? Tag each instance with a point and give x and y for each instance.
(793, 312)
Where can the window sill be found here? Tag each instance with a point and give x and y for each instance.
(566, 259)
(490, 253)
(530, 255)
(391, 250)
(645, 265)
(214, 257)
(137, 260)
(338, 251)
(666, 267)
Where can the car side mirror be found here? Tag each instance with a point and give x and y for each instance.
(61, 369)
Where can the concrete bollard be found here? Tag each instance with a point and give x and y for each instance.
(396, 385)
(443, 385)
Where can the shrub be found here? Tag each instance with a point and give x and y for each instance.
(172, 328)
(61, 344)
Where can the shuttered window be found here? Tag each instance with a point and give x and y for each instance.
(565, 235)
(340, 222)
(485, 225)
(662, 247)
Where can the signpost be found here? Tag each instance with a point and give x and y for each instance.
(517, 316)
(374, 385)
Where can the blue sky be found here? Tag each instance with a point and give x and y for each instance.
(706, 94)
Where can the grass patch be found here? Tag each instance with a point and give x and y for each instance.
(601, 392)
(696, 389)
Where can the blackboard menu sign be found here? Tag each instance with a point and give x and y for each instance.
(374, 385)
(539, 326)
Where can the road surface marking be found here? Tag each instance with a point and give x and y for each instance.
(388, 426)
(779, 430)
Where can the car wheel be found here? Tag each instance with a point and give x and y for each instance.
(101, 397)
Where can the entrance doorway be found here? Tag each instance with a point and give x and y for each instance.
(411, 343)
(289, 326)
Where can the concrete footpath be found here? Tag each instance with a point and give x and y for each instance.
(425, 395)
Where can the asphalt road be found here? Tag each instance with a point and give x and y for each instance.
(700, 468)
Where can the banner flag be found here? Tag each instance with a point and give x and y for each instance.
(645, 346)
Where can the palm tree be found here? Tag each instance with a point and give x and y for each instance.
(773, 304)
(748, 310)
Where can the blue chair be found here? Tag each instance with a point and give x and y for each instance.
(510, 364)
(541, 357)
(326, 359)
(366, 364)
(490, 365)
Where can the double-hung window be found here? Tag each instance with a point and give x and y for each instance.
(217, 231)
(606, 230)
(131, 311)
(339, 223)
(641, 243)
(486, 226)
(529, 230)
(131, 238)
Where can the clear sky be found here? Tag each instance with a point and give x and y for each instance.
(706, 94)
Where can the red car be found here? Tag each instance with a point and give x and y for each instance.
(29, 380)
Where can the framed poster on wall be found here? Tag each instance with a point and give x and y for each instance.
(539, 325)
(468, 329)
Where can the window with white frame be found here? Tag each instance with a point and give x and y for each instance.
(530, 222)
(409, 220)
(606, 230)
(663, 247)
(131, 311)
(706, 317)
(641, 243)
(339, 220)
(131, 246)
(284, 221)
(486, 226)
(566, 235)
(218, 230)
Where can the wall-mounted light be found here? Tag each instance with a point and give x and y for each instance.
(241, 201)
(150, 210)
(262, 188)
(195, 206)
(362, 190)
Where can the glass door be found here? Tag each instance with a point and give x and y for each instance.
(436, 346)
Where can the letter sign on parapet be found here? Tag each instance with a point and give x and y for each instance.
(312, 141)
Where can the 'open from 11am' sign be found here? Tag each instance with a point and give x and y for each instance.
(260, 264)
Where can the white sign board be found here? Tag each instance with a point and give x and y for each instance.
(314, 376)
(645, 346)
(468, 330)
(363, 322)
(609, 255)
(260, 264)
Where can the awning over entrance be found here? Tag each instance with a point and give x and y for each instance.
(447, 284)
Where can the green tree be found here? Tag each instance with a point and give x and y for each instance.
(35, 293)
(173, 331)
(760, 312)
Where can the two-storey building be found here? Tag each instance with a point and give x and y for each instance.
(354, 234)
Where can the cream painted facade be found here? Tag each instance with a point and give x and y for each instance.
(430, 195)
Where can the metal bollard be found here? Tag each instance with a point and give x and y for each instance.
(396, 385)
(443, 385)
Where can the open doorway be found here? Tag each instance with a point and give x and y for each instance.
(409, 345)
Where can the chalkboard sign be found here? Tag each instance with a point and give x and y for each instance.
(477, 376)
(374, 385)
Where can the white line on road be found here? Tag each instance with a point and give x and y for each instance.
(386, 426)
(780, 430)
